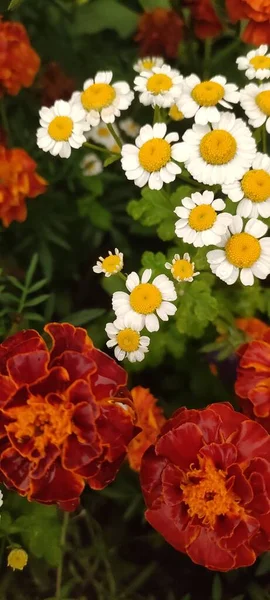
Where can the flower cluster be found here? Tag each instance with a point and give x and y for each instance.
(19, 63)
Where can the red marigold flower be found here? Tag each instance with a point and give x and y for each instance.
(206, 484)
(19, 63)
(150, 419)
(254, 328)
(55, 85)
(18, 181)
(159, 32)
(257, 31)
(205, 20)
(66, 416)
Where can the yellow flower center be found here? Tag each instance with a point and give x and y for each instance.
(98, 96)
(60, 128)
(202, 217)
(263, 102)
(17, 559)
(128, 340)
(103, 132)
(182, 269)
(154, 154)
(260, 62)
(175, 113)
(218, 147)
(242, 250)
(112, 263)
(148, 64)
(256, 185)
(206, 494)
(159, 83)
(208, 93)
(145, 298)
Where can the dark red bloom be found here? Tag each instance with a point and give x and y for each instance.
(159, 33)
(206, 484)
(55, 84)
(257, 30)
(205, 20)
(66, 417)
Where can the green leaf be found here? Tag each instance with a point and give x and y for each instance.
(14, 4)
(111, 159)
(15, 282)
(82, 317)
(155, 208)
(217, 588)
(220, 8)
(152, 4)
(39, 284)
(166, 229)
(37, 300)
(56, 239)
(99, 216)
(264, 565)
(32, 316)
(30, 271)
(46, 259)
(197, 307)
(5, 522)
(105, 14)
(156, 262)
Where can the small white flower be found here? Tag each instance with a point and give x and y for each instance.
(252, 192)
(147, 63)
(243, 252)
(201, 98)
(62, 128)
(199, 223)
(130, 127)
(151, 159)
(255, 100)
(1, 498)
(102, 100)
(182, 269)
(111, 264)
(256, 63)
(126, 340)
(160, 87)
(219, 155)
(91, 165)
(145, 301)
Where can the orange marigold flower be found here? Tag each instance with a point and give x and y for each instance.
(18, 181)
(150, 419)
(19, 63)
(55, 85)
(205, 20)
(257, 31)
(159, 33)
(254, 328)
(206, 484)
(66, 416)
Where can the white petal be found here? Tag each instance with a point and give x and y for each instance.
(256, 228)
(151, 323)
(146, 275)
(132, 281)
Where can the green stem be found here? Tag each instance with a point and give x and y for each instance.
(157, 115)
(122, 276)
(114, 134)
(59, 572)
(99, 148)
(5, 119)
(188, 180)
(207, 57)
(264, 139)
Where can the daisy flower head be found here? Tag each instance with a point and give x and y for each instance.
(201, 98)
(199, 222)
(255, 100)
(102, 99)
(182, 269)
(252, 192)
(127, 340)
(101, 135)
(256, 63)
(91, 165)
(161, 86)
(243, 251)
(111, 264)
(218, 155)
(146, 301)
(130, 127)
(148, 63)
(61, 128)
(151, 159)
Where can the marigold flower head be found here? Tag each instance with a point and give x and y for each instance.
(150, 419)
(206, 484)
(257, 31)
(18, 181)
(19, 63)
(66, 415)
(55, 84)
(17, 559)
(205, 20)
(255, 329)
(159, 33)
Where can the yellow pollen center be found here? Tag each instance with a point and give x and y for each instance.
(103, 132)
(60, 128)
(206, 495)
(128, 340)
(182, 269)
(256, 185)
(175, 113)
(208, 93)
(98, 96)
(148, 64)
(263, 102)
(145, 298)
(112, 263)
(242, 250)
(260, 62)
(154, 154)
(218, 147)
(202, 217)
(159, 83)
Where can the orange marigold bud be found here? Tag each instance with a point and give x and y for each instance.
(19, 62)
(159, 33)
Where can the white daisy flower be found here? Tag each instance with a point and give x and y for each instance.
(219, 155)
(102, 100)
(62, 128)
(243, 252)
(145, 300)
(102, 135)
(201, 98)
(255, 100)
(111, 264)
(151, 159)
(160, 87)
(253, 190)
(126, 341)
(182, 269)
(130, 127)
(256, 63)
(175, 113)
(91, 165)
(199, 224)
(147, 63)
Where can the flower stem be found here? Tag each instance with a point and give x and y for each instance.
(124, 277)
(207, 57)
(59, 572)
(264, 139)
(99, 148)
(157, 115)
(114, 134)
(188, 180)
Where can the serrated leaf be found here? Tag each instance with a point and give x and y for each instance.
(166, 229)
(156, 262)
(111, 159)
(100, 15)
(82, 317)
(37, 300)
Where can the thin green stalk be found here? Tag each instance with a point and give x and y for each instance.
(157, 115)
(207, 57)
(4, 119)
(264, 139)
(99, 148)
(188, 180)
(114, 134)
(59, 572)
(122, 276)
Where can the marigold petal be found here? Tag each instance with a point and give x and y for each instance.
(171, 490)
(56, 381)
(241, 487)
(28, 367)
(152, 467)
(206, 551)
(175, 445)
(252, 441)
(109, 376)
(7, 389)
(257, 356)
(67, 337)
(77, 455)
(58, 485)
(222, 455)
(16, 468)
(230, 418)
(106, 473)
(173, 523)
(22, 342)
(77, 365)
